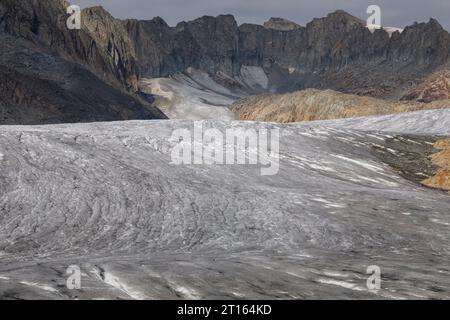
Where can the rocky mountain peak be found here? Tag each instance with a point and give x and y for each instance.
(343, 16)
(431, 26)
(97, 12)
(337, 21)
(435, 23)
(160, 22)
(281, 24)
(223, 19)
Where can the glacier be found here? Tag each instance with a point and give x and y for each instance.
(104, 197)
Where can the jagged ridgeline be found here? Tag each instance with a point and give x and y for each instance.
(336, 52)
(93, 74)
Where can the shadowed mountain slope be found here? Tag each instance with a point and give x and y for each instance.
(50, 74)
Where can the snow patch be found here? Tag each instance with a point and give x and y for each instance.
(440, 222)
(254, 77)
(335, 274)
(187, 292)
(40, 286)
(346, 285)
(192, 97)
(360, 163)
(419, 122)
(389, 30)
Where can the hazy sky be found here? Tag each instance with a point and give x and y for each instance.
(396, 13)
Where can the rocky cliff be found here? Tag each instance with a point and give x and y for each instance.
(209, 44)
(51, 74)
(281, 24)
(102, 44)
(313, 104)
(336, 52)
(434, 87)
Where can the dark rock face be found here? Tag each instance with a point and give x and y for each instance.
(210, 44)
(108, 48)
(109, 55)
(50, 74)
(39, 88)
(281, 24)
(102, 44)
(435, 87)
(336, 52)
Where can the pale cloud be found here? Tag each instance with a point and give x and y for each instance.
(398, 13)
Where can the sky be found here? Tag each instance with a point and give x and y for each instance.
(395, 13)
